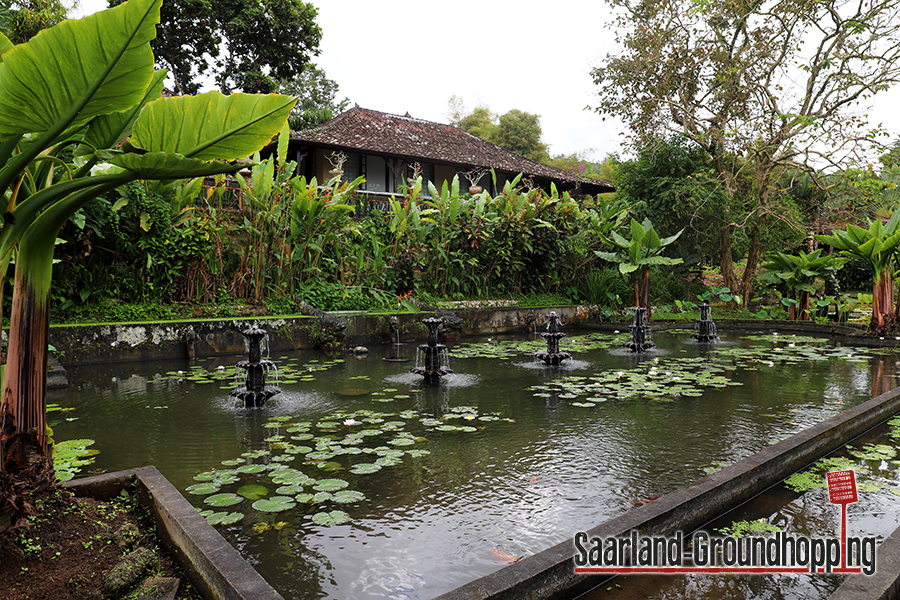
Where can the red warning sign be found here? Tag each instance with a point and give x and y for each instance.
(842, 487)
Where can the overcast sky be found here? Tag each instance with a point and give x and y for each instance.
(410, 56)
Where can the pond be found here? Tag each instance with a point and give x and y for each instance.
(359, 481)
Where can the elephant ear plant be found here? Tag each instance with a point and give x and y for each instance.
(644, 249)
(69, 98)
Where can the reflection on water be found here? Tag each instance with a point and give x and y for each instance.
(435, 522)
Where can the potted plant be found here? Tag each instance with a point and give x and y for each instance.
(474, 176)
(337, 160)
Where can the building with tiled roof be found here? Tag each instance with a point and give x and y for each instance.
(388, 148)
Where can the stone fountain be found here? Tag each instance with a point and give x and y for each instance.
(436, 361)
(641, 336)
(705, 327)
(552, 356)
(255, 392)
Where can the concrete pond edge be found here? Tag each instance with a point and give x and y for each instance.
(212, 565)
(550, 574)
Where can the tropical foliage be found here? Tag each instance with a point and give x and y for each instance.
(877, 246)
(62, 126)
(643, 250)
(794, 276)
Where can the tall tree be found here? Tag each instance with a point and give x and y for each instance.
(521, 132)
(758, 85)
(317, 98)
(516, 130)
(244, 45)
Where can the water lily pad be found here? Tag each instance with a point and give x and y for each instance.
(402, 441)
(203, 488)
(255, 468)
(365, 468)
(232, 462)
(335, 517)
(226, 499)
(252, 491)
(317, 498)
(348, 496)
(330, 485)
(320, 455)
(274, 504)
(224, 518)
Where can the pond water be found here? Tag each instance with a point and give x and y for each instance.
(377, 486)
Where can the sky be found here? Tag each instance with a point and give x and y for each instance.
(410, 56)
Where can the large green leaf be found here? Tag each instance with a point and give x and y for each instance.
(106, 131)
(73, 72)
(211, 125)
(160, 165)
(651, 239)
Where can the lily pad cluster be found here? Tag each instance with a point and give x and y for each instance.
(875, 465)
(287, 372)
(296, 469)
(667, 378)
(663, 381)
(507, 349)
(70, 456)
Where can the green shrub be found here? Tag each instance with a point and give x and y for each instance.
(602, 286)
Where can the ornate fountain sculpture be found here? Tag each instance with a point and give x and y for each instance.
(552, 356)
(255, 392)
(705, 327)
(641, 336)
(436, 362)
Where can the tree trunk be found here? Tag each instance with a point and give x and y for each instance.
(753, 256)
(25, 462)
(803, 307)
(882, 302)
(645, 290)
(23, 438)
(726, 261)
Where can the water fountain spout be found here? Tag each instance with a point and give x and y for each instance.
(255, 392)
(705, 327)
(436, 363)
(552, 336)
(641, 336)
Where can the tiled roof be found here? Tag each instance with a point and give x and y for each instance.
(370, 131)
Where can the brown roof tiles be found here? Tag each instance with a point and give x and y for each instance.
(369, 131)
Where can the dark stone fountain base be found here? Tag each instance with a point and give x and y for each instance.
(255, 392)
(434, 355)
(552, 356)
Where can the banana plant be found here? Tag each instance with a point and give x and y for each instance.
(643, 250)
(877, 246)
(90, 84)
(317, 221)
(793, 275)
